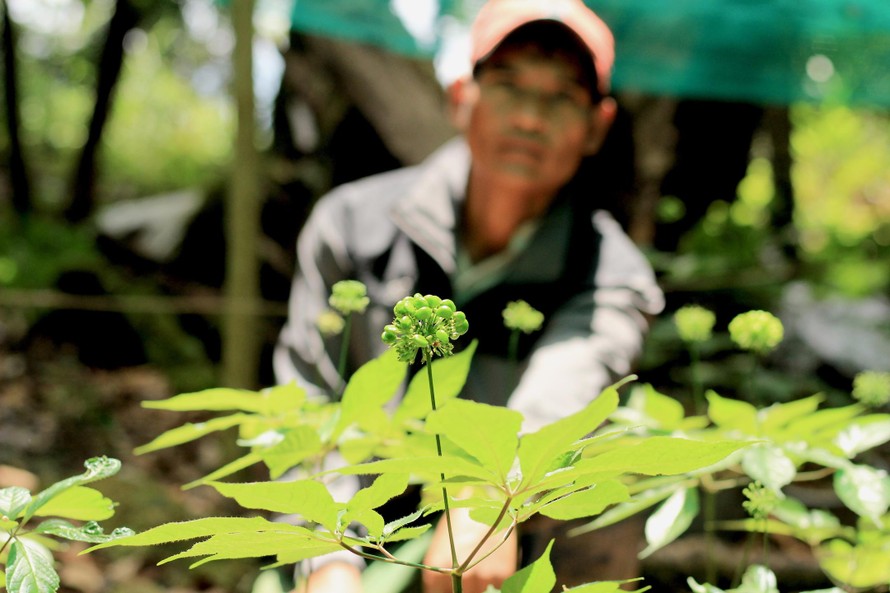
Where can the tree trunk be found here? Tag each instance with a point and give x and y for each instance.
(125, 18)
(18, 172)
(241, 336)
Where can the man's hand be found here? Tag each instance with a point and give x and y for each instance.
(335, 577)
(467, 534)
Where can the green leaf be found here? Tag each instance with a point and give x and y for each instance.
(189, 432)
(539, 450)
(488, 433)
(295, 541)
(864, 433)
(657, 455)
(299, 444)
(649, 408)
(29, 569)
(778, 416)
(399, 524)
(534, 578)
(430, 467)
(385, 488)
(186, 530)
(13, 501)
(864, 490)
(308, 498)
(386, 577)
(619, 512)
(382, 490)
(223, 399)
(587, 503)
(606, 587)
(758, 579)
(732, 414)
(97, 468)
(830, 420)
(226, 470)
(372, 386)
(79, 502)
(90, 532)
(770, 466)
(670, 520)
(860, 567)
(450, 374)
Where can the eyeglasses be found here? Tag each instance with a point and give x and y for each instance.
(505, 91)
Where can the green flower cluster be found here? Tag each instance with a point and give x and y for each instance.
(694, 323)
(757, 331)
(426, 323)
(519, 315)
(349, 296)
(872, 388)
(761, 500)
(330, 323)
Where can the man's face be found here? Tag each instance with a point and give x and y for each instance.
(531, 119)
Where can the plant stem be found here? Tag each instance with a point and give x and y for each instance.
(344, 350)
(455, 576)
(698, 399)
(710, 517)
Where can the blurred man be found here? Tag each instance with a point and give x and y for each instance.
(492, 217)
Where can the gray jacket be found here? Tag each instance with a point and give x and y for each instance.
(397, 233)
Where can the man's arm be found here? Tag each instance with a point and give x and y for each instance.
(595, 338)
(302, 354)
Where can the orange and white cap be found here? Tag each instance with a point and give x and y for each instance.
(498, 18)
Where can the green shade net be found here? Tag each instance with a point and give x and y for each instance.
(763, 51)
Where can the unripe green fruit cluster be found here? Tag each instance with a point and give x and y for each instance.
(426, 323)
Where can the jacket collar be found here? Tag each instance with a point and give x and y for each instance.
(430, 210)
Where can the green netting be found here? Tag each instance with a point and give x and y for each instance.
(768, 51)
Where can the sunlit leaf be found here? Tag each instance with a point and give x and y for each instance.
(488, 433)
(90, 532)
(186, 530)
(13, 501)
(308, 498)
(97, 468)
(607, 587)
(29, 569)
(539, 450)
(732, 414)
(777, 416)
(534, 578)
(226, 470)
(587, 503)
(640, 502)
(450, 375)
(189, 432)
(769, 465)
(229, 546)
(864, 433)
(864, 490)
(369, 388)
(670, 520)
(862, 566)
(648, 407)
(655, 456)
(217, 399)
(431, 466)
(79, 502)
(299, 443)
